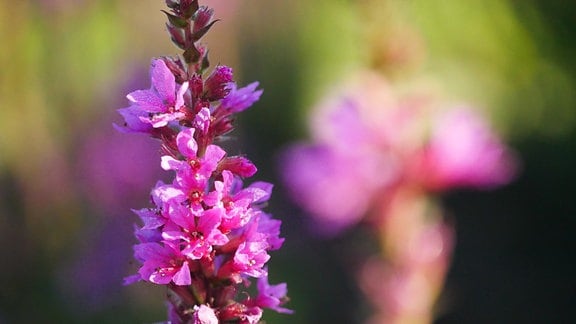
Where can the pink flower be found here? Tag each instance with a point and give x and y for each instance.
(158, 105)
(271, 296)
(199, 235)
(335, 186)
(236, 203)
(252, 316)
(251, 257)
(271, 229)
(205, 230)
(463, 152)
(238, 165)
(192, 174)
(153, 222)
(162, 264)
(133, 123)
(203, 18)
(367, 140)
(194, 171)
(240, 99)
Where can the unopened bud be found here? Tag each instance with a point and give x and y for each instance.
(177, 35)
(217, 84)
(172, 4)
(202, 18)
(238, 165)
(175, 20)
(188, 8)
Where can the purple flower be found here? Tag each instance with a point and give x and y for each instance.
(153, 222)
(240, 99)
(464, 152)
(205, 230)
(271, 296)
(162, 264)
(202, 121)
(194, 171)
(271, 229)
(235, 203)
(192, 174)
(198, 234)
(367, 141)
(175, 200)
(158, 105)
(335, 186)
(252, 315)
(251, 255)
(133, 123)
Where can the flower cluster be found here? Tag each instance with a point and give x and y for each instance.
(206, 233)
(381, 157)
(369, 139)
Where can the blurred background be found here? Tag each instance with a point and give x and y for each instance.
(68, 179)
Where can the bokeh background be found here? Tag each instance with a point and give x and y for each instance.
(68, 179)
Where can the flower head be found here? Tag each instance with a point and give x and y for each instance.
(206, 233)
(158, 105)
(162, 264)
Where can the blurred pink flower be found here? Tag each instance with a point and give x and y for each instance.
(367, 139)
(464, 152)
(404, 287)
(330, 185)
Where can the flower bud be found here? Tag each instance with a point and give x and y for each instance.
(188, 7)
(217, 84)
(176, 35)
(172, 4)
(202, 18)
(238, 165)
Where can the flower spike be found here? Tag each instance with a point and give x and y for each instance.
(206, 235)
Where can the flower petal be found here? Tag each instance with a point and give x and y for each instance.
(164, 82)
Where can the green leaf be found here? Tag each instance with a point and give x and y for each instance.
(202, 31)
(205, 63)
(175, 20)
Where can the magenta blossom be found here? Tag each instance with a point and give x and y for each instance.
(158, 105)
(162, 264)
(198, 236)
(271, 229)
(464, 152)
(205, 235)
(236, 203)
(251, 257)
(271, 296)
(194, 172)
(336, 185)
(240, 99)
(368, 140)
